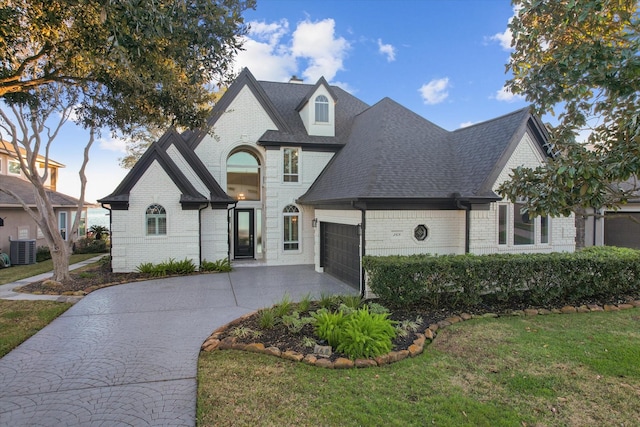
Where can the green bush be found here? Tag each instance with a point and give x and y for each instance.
(221, 265)
(327, 325)
(87, 245)
(364, 334)
(43, 253)
(536, 279)
(171, 267)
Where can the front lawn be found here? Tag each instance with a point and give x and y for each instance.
(21, 319)
(19, 272)
(557, 370)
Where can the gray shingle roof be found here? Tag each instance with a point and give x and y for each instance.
(24, 190)
(392, 153)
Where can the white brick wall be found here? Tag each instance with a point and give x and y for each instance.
(131, 245)
(483, 235)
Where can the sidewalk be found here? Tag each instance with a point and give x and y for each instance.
(6, 291)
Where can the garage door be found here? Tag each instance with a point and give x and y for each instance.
(621, 230)
(340, 252)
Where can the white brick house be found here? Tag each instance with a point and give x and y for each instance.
(291, 173)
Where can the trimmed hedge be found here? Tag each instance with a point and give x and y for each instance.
(537, 279)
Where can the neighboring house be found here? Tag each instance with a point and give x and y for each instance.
(15, 222)
(293, 173)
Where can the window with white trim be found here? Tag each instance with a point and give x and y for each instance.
(322, 109)
(291, 228)
(14, 167)
(62, 224)
(156, 219)
(290, 164)
(518, 229)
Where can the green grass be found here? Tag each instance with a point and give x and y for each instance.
(18, 272)
(21, 319)
(556, 370)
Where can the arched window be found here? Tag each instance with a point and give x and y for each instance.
(291, 228)
(322, 109)
(156, 217)
(243, 176)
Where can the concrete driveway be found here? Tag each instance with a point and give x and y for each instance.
(127, 355)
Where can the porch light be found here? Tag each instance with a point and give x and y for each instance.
(314, 222)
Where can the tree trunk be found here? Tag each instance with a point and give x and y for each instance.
(60, 257)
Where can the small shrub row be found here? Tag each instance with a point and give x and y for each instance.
(186, 266)
(43, 253)
(536, 279)
(88, 245)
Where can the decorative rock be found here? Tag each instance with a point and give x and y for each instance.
(343, 363)
(594, 307)
(310, 359)
(444, 323)
(273, 351)
(556, 311)
(324, 363)
(68, 293)
(239, 346)
(489, 315)
(625, 306)
(544, 311)
(583, 309)
(636, 303)
(383, 359)
(428, 334)
(227, 343)
(292, 355)
(531, 312)
(322, 350)
(434, 327)
(210, 344)
(365, 363)
(396, 356)
(466, 316)
(419, 340)
(610, 307)
(90, 289)
(518, 313)
(453, 319)
(256, 347)
(567, 309)
(415, 350)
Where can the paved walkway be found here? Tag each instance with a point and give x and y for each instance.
(127, 355)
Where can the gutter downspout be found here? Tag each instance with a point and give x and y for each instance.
(200, 234)
(467, 220)
(110, 237)
(229, 231)
(363, 240)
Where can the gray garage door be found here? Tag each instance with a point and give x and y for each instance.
(621, 230)
(340, 252)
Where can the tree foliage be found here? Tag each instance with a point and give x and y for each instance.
(137, 61)
(582, 59)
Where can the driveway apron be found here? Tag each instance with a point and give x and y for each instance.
(127, 355)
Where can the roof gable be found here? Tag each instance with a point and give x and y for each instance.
(313, 90)
(25, 190)
(158, 152)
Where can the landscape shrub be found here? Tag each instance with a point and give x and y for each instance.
(43, 253)
(221, 265)
(536, 279)
(88, 245)
(171, 267)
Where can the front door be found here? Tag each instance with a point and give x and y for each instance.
(243, 236)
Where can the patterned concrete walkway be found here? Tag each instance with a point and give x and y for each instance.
(127, 355)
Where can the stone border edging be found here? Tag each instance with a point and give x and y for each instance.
(213, 342)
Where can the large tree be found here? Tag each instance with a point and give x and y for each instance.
(114, 65)
(580, 60)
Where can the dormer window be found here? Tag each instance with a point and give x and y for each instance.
(322, 109)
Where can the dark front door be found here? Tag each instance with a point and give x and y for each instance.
(243, 234)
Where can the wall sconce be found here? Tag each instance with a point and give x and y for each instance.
(314, 222)
(359, 228)
(1, 222)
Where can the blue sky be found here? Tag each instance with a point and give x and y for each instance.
(445, 60)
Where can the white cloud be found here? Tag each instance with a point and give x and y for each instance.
(505, 38)
(506, 95)
(271, 54)
(388, 50)
(113, 144)
(316, 42)
(435, 91)
(467, 124)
